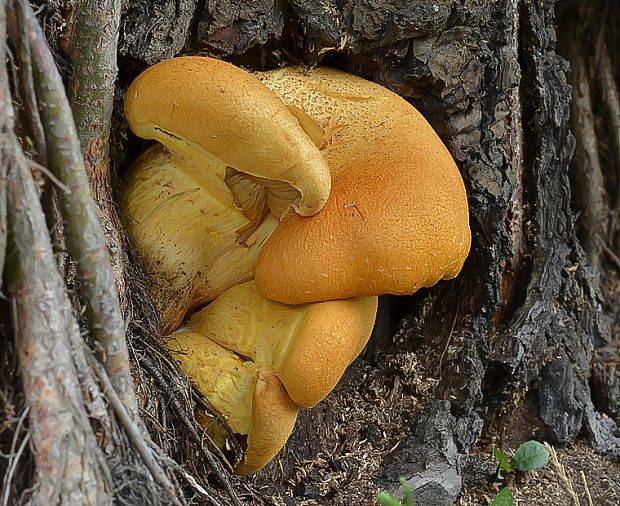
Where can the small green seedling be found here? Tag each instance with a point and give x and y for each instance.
(503, 464)
(504, 498)
(387, 499)
(530, 455)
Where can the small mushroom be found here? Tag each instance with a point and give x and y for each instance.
(252, 400)
(308, 347)
(397, 218)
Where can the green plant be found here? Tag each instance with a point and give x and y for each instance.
(387, 499)
(530, 455)
(504, 498)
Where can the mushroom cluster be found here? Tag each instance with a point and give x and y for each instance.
(273, 211)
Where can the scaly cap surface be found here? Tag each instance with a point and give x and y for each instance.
(397, 218)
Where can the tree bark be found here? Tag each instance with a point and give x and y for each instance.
(511, 346)
(524, 317)
(92, 51)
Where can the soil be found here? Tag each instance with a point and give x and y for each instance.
(369, 415)
(357, 427)
(544, 486)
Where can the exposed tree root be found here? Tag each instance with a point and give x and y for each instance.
(134, 434)
(85, 239)
(68, 466)
(88, 441)
(92, 52)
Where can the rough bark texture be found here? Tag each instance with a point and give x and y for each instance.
(586, 173)
(85, 239)
(92, 52)
(512, 341)
(525, 315)
(69, 467)
(231, 28)
(152, 31)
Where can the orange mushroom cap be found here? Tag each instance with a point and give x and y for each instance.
(307, 347)
(397, 218)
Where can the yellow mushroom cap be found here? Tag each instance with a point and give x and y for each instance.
(273, 419)
(397, 218)
(308, 347)
(209, 109)
(333, 335)
(253, 401)
(193, 239)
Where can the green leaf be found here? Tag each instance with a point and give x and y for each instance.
(386, 499)
(502, 460)
(407, 492)
(504, 498)
(530, 455)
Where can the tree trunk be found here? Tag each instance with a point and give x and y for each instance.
(525, 341)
